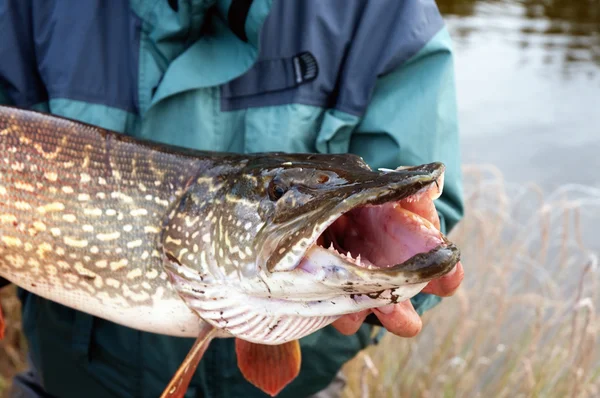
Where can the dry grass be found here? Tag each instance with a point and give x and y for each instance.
(13, 347)
(525, 322)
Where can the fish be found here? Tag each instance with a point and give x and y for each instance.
(265, 248)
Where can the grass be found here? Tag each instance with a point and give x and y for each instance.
(525, 321)
(524, 324)
(13, 346)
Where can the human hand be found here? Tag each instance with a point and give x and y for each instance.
(401, 319)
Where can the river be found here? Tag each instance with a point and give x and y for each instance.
(528, 81)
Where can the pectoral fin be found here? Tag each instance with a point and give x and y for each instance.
(269, 367)
(181, 380)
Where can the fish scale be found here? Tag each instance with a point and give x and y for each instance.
(81, 211)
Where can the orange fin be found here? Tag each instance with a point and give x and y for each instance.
(180, 382)
(269, 367)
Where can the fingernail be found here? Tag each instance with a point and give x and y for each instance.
(387, 309)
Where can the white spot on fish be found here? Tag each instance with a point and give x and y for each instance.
(8, 218)
(122, 196)
(113, 283)
(69, 217)
(139, 212)
(85, 177)
(117, 265)
(171, 240)
(51, 176)
(55, 206)
(152, 274)
(92, 212)
(22, 205)
(75, 242)
(149, 229)
(135, 273)
(135, 243)
(81, 270)
(162, 202)
(24, 186)
(11, 241)
(108, 236)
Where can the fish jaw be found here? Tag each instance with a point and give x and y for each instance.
(410, 188)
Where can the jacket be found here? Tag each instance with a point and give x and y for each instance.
(374, 78)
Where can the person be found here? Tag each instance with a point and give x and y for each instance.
(371, 78)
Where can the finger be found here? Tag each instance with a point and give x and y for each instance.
(350, 323)
(447, 284)
(400, 319)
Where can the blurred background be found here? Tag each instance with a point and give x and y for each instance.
(528, 76)
(525, 322)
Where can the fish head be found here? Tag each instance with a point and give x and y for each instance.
(338, 202)
(307, 237)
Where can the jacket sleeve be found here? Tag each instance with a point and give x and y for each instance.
(20, 81)
(412, 119)
(20, 84)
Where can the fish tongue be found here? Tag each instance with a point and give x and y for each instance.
(268, 367)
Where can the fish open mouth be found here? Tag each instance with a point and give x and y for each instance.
(396, 235)
(383, 236)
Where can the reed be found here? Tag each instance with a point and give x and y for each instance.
(525, 321)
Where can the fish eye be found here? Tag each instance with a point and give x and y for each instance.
(276, 190)
(323, 178)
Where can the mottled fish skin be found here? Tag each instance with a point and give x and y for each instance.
(234, 240)
(152, 236)
(81, 212)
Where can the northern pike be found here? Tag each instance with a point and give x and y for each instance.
(265, 247)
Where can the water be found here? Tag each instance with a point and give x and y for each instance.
(528, 81)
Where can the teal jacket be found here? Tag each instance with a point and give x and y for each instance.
(373, 78)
